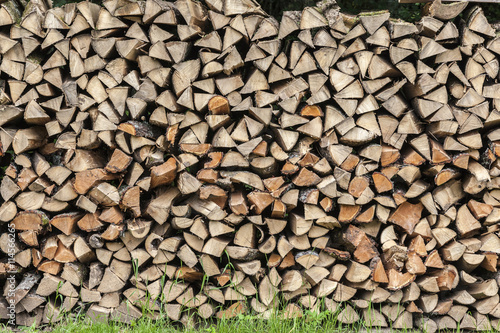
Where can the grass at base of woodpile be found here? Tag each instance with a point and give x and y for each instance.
(325, 322)
(309, 323)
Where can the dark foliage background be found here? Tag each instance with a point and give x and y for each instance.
(407, 12)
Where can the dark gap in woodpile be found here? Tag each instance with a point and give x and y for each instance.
(202, 159)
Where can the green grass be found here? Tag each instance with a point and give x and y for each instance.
(309, 323)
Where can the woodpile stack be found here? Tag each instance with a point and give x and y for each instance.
(201, 159)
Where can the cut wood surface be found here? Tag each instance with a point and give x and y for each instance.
(202, 159)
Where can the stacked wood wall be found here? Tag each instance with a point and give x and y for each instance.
(203, 159)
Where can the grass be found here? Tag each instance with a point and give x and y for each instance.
(309, 323)
(324, 322)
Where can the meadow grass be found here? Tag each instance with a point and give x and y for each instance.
(310, 323)
(325, 322)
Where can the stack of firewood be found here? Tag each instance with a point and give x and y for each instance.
(199, 158)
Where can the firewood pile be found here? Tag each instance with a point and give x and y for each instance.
(201, 159)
